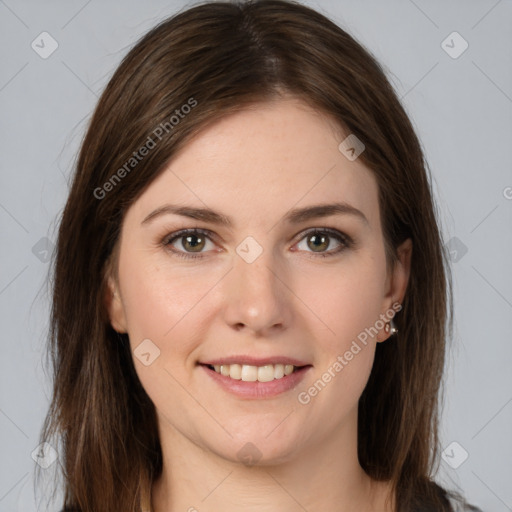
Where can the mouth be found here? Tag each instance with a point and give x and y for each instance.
(250, 373)
(250, 381)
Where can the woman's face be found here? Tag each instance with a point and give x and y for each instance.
(262, 289)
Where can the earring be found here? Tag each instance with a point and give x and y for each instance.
(391, 328)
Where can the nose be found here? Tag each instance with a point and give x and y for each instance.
(256, 296)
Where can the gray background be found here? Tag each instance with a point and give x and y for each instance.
(461, 108)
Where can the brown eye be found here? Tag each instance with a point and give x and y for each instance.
(188, 243)
(194, 243)
(319, 240)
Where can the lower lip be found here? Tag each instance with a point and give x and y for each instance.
(257, 389)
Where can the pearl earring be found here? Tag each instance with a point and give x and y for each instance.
(390, 328)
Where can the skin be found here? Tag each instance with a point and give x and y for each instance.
(255, 166)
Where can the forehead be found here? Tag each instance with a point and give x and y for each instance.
(256, 164)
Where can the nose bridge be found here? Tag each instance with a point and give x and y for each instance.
(257, 297)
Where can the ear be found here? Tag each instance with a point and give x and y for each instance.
(115, 306)
(396, 282)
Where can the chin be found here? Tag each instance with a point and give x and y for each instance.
(259, 448)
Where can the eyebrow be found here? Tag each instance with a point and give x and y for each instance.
(295, 216)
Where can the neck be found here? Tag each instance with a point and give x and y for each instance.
(324, 476)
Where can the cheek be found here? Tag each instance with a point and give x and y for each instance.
(162, 305)
(158, 301)
(346, 299)
(347, 302)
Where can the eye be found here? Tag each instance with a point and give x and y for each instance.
(319, 239)
(189, 243)
(193, 240)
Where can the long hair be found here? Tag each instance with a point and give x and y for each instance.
(190, 70)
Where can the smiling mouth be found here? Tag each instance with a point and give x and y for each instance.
(249, 373)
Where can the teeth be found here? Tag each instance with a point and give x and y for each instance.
(265, 373)
(250, 373)
(288, 369)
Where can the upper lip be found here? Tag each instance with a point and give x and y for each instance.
(254, 361)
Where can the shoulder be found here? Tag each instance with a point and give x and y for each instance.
(460, 506)
(447, 500)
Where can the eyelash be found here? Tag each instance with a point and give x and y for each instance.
(344, 239)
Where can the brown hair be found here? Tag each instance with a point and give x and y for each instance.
(219, 58)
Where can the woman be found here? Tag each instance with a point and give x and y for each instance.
(251, 294)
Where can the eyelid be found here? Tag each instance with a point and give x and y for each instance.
(336, 233)
(176, 235)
